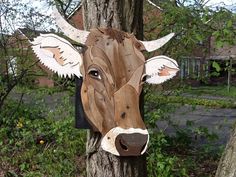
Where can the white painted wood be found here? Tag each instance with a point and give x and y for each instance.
(70, 31)
(71, 58)
(154, 66)
(156, 44)
(150, 2)
(108, 141)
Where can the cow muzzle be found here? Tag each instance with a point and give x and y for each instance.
(126, 142)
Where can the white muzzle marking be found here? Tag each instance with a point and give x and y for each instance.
(108, 141)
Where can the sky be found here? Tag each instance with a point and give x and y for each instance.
(226, 2)
(42, 7)
(211, 3)
(229, 4)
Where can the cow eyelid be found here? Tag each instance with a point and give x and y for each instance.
(94, 73)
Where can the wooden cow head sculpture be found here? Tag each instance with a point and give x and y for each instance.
(113, 70)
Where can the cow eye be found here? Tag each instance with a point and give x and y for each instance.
(94, 73)
(144, 78)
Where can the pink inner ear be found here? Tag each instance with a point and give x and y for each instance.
(56, 54)
(166, 71)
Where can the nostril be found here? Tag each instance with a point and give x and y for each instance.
(122, 145)
(123, 115)
(131, 144)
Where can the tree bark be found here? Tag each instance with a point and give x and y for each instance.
(125, 15)
(104, 164)
(227, 165)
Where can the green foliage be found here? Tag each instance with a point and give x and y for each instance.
(224, 30)
(35, 144)
(198, 30)
(219, 91)
(189, 22)
(40, 141)
(64, 83)
(178, 155)
(217, 69)
(160, 162)
(166, 101)
(216, 66)
(200, 101)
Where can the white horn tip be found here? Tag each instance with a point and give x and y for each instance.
(156, 44)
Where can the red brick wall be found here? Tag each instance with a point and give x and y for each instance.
(44, 82)
(77, 19)
(18, 40)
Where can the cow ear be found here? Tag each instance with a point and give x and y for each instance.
(159, 69)
(57, 54)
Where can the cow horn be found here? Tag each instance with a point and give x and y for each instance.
(156, 44)
(70, 31)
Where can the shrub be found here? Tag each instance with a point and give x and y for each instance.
(35, 144)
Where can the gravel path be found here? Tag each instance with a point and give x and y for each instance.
(218, 121)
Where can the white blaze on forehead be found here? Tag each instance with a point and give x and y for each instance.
(108, 141)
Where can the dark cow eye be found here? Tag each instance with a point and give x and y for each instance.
(144, 78)
(94, 73)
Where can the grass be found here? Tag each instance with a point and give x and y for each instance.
(208, 96)
(34, 143)
(212, 90)
(202, 96)
(178, 155)
(199, 101)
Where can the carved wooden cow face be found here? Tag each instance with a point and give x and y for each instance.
(113, 70)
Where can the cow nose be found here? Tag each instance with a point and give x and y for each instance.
(131, 144)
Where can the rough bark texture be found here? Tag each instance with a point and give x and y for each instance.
(227, 165)
(104, 164)
(124, 15)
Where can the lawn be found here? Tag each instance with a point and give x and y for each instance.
(212, 90)
(36, 142)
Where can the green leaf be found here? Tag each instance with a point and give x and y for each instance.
(216, 66)
(219, 44)
(199, 37)
(229, 24)
(216, 33)
(226, 31)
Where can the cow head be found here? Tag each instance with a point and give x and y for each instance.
(113, 70)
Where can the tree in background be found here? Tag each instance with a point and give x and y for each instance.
(16, 62)
(194, 24)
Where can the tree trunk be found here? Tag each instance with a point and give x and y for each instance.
(227, 165)
(125, 15)
(104, 164)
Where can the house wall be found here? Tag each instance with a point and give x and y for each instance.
(18, 46)
(44, 82)
(226, 50)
